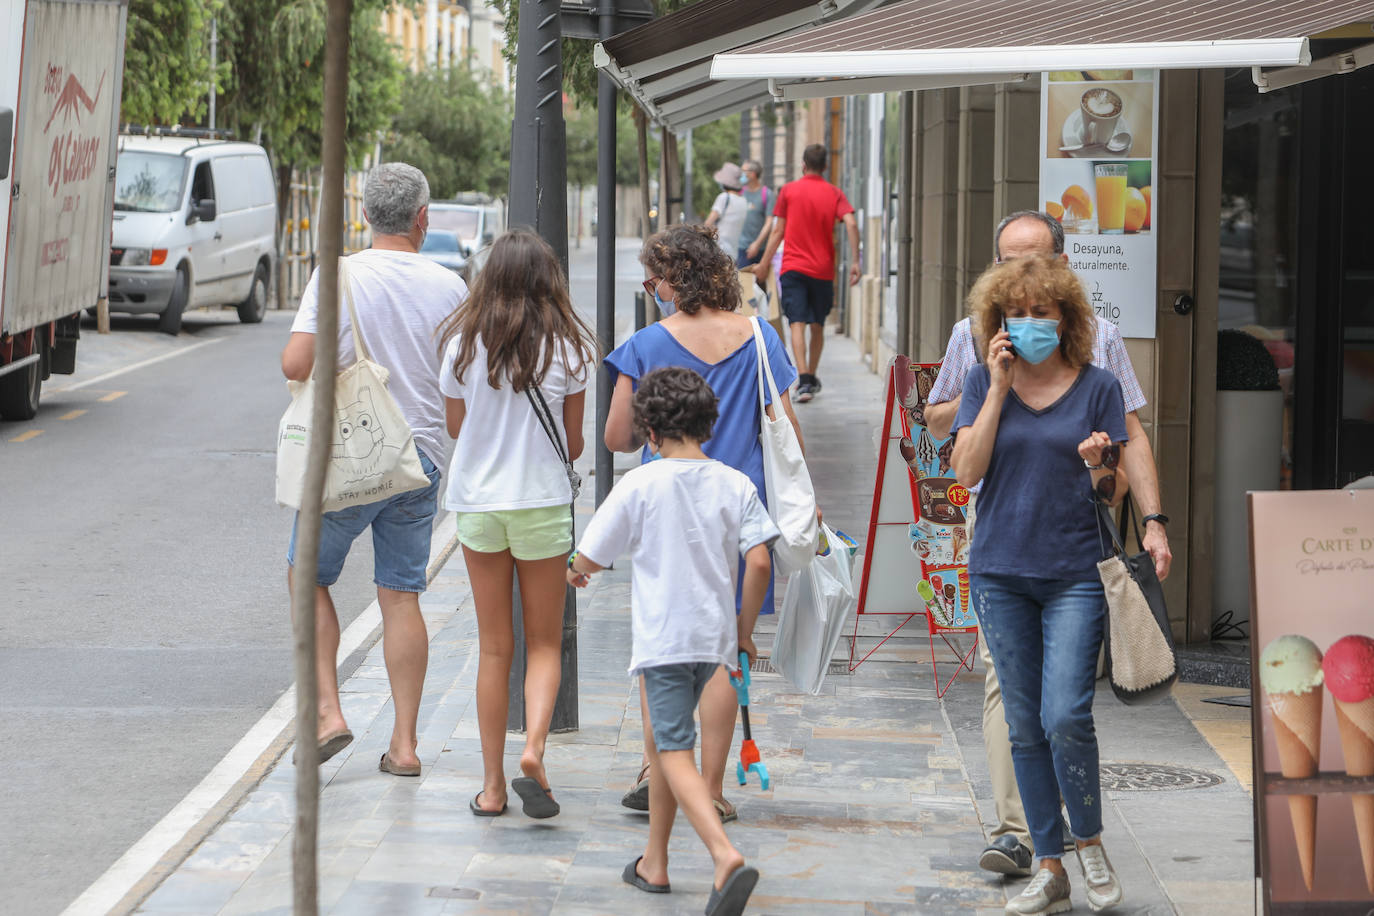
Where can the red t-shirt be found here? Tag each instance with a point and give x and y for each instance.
(811, 205)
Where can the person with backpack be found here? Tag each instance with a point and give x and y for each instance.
(515, 368)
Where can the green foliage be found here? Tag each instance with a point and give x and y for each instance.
(582, 145)
(455, 127)
(167, 61)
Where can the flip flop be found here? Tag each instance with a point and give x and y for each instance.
(479, 811)
(734, 893)
(332, 743)
(538, 801)
(632, 877)
(396, 769)
(727, 811)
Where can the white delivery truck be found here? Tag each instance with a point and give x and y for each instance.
(61, 70)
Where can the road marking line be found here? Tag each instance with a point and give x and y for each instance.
(112, 396)
(71, 415)
(182, 351)
(26, 436)
(111, 888)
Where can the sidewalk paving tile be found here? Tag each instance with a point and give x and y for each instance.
(879, 802)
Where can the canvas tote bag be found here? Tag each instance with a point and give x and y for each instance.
(373, 455)
(1141, 664)
(791, 497)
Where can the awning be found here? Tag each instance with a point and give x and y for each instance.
(665, 65)
(918, 44)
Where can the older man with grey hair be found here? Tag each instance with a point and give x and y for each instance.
(400, 298)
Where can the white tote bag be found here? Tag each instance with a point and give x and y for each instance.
(373, 455)
(818, 601)
(791, 497)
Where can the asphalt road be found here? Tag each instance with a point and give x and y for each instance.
(145, 625)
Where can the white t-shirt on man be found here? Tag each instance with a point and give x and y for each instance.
(733, 208)
(685, 523)
(503, 458)
(401, 299)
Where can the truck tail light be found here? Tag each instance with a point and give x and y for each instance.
(159, 256)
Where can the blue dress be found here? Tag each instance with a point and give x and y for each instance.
(735, 439)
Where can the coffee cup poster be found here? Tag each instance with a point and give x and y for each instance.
(1313, 698)
(1097, 139)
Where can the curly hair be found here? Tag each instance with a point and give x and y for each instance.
(1036, 278)
(674, 403)
(694, 265)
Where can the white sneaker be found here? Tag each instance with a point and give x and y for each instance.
(1046, 893)
(1099, 878)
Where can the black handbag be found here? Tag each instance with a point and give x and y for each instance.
(1141, 661)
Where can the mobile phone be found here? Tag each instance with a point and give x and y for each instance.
(1009, 346)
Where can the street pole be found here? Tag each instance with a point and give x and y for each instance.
(689, 212)
(539, 200)
(304, 852)
(214, 60)
(605, 252)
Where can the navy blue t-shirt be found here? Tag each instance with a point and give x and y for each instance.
(1035, 513)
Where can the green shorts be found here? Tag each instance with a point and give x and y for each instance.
(529, 534)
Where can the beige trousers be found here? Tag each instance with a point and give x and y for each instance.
(1011, 817)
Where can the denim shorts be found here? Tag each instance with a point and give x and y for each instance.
(529, 534)
(805, 299)
(672, 692)
(401, 528)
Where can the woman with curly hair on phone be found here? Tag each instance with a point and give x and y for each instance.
(696, 286)
(1043, 430)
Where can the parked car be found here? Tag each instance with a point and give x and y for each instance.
(476, 224)
(443, 248)
(194, 225)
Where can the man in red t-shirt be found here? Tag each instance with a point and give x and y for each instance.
(804, 220)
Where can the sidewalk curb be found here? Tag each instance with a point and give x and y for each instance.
(158, 853)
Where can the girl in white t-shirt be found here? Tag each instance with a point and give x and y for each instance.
(515, 350)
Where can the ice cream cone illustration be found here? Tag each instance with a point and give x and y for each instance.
(1291, 675)
(933, 605)
(1348, 669)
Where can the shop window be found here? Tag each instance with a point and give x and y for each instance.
(1258, 232)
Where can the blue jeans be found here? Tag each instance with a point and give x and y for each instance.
(401, 529)
(1044, 636)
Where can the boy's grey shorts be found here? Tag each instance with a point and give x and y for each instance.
(671, 693)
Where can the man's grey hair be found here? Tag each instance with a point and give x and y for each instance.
(752, 165)
(393, 196)
(1052, 224)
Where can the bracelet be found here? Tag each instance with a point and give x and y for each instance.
(1156, 517)
(1093, 467)
(571, 557)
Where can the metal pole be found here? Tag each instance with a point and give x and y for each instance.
(641, 318)
(605, 251)
(304, 852)
(539, 199)
(214, 58)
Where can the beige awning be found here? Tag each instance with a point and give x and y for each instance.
(914, 44)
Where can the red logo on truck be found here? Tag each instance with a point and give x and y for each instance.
(74, 155)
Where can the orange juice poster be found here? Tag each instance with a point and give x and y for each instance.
(1312, 700)
(1097, 165)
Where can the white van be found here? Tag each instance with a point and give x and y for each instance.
(476, 219)
(195, 225)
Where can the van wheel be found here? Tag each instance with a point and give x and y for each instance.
(170, 322)
(19, 391)
(252, 309)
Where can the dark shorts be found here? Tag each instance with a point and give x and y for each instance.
(742, 258)
(672, 692)
(805, 299)
(401, 528)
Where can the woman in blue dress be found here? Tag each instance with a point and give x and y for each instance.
(696, 286)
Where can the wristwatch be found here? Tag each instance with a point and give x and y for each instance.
(1156, 517)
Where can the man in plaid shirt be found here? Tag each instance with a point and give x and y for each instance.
(1021, 234)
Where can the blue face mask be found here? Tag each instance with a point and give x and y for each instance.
(1034, 338)
(665, 307)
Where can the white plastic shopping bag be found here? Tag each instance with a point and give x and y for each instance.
(818, 601)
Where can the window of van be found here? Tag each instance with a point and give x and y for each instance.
(148, 182)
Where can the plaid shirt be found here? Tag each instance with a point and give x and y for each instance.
(1109, 352)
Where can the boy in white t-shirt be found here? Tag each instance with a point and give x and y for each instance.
(683, 520)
